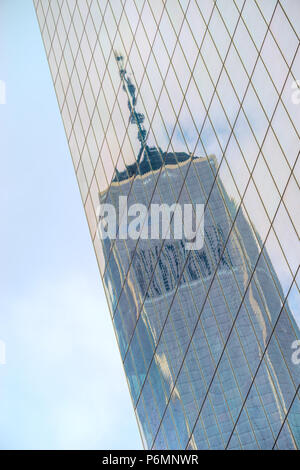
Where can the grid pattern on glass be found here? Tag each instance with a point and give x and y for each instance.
(206, 337)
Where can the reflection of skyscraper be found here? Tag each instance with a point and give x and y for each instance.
(205, 336)
(175, 310)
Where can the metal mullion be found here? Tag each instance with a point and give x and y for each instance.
(286, 418)
(85, 138)
(253, 133)
(174, 330)
(93, 208)
(116, 101)
(279, 204)
(63, 49)
(273, 36)
(54, 34)
(157, 107)
(248, 284)
(51, 40)
(216, 85)
(256, 372)
(113, 87)
(58, 73)
(288, 18)
(82, 98)
(156, 315)
(202, 281)
(245, 69)
(163, 241)
(65, 103)
(145, 70)
(102, 276)
(129, 139)
(55, 29)
(62, 59)
(232, 128)
(127, 250)
(188, 191)
(65, 93)
(235, 217)
(45, 24)
(96, 100)
(286, 208)
(290, 219)
(180, 303)
(74, 69)
(228, 75)
(155, 187)
(267, 70)
(84, 172)
(219, 281)
(251, 321)
(243, 113)
(41, 27)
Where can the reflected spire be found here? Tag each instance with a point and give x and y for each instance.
(149, 158)
(135, 117)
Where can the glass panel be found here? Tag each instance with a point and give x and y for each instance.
(176, 103)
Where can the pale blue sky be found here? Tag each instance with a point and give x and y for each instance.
(63, 385)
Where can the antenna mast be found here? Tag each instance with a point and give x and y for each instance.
(135, 117)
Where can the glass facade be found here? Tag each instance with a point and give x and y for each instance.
(193, 102)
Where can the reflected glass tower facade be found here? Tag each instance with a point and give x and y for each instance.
(192, 102)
